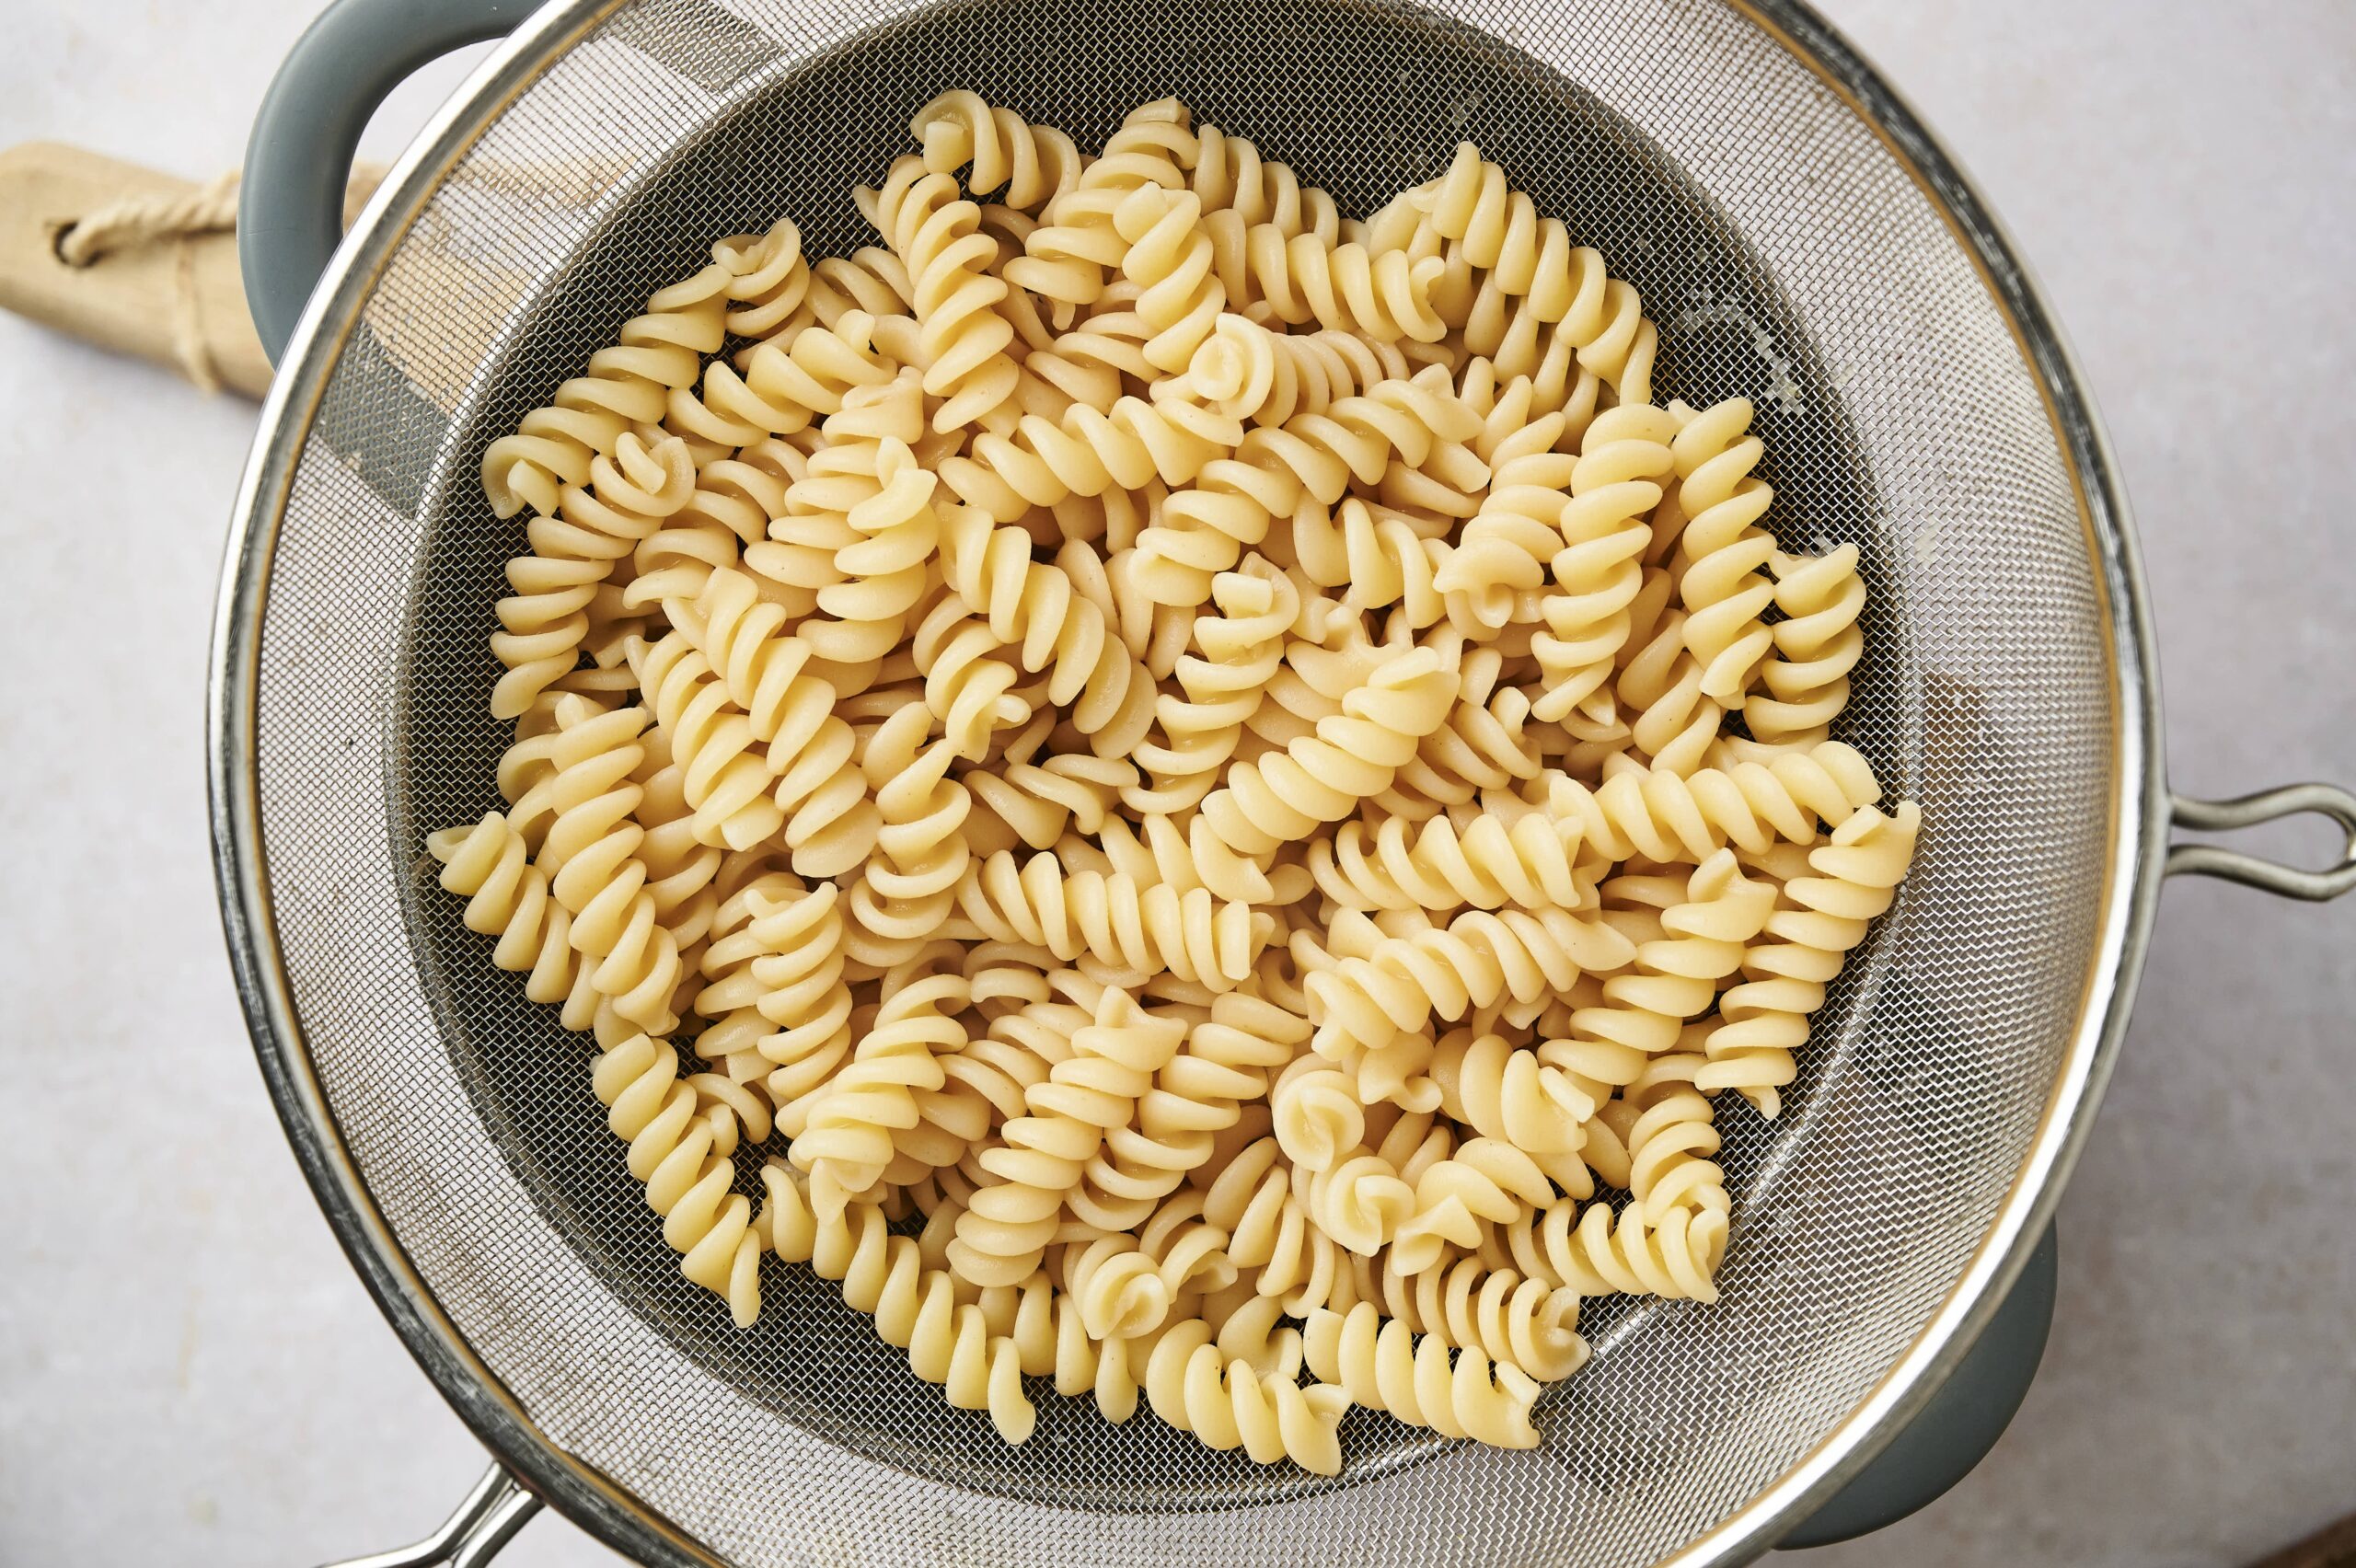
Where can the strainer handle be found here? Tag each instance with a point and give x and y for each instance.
(290, 205)
(486, 1521)
(2249, 810)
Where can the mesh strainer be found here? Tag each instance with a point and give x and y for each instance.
(1801, 241)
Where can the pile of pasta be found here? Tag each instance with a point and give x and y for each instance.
(1222, 791)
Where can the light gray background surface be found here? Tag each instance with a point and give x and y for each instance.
(188, 1372)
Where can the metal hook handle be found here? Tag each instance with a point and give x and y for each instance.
(486, 1521)
(2249, 811)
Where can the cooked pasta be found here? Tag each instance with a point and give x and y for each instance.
(1199, 803)
(1225, 1403)
(1513, 1321)
(545, 621)
(1721, 553)
(625, 387)
(1381, 1364)
(997, 150)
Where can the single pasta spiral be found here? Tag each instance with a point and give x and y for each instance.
(1615, 488)
(1531, 861)
(1381, 1364)
(1083, 453)
(1117, 1287)
(1359, 1201)
(1008, 1225)
(1724, 584)
(1242, 640)
(625, 386)
(830, 822)
(1817, 644)
(794, 973)
(1066, 256)
(1536, 278)
(867, 488)
(1822, 917)
(591, 855)
(1315, 1114)
(681, 1135)
(768, 283)
(1113, 919)
(1667, 817)
(1475, 960)
(1247, 372)
(728, 779)
(847, 1144)
(1302, 278)
(1499, 228)
(575, 543)
(997, 149)
(1514, 1321)
(1585, 1245)
(1230, 175)
(1227, 1405)
(507, 897)
(910, 884)
(1351, 756)
(1169, 258)
(963, 336)
(968, 688)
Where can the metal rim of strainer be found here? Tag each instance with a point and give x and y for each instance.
(2139, 809)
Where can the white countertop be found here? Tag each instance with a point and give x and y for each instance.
(189, 1373)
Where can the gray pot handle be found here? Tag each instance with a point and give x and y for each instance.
(2269, 805)
(1962, 1422)
(486, 1521)
(291, 203)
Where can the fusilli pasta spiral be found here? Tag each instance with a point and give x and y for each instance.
(1382, 1364)
(1513, 1321)
(681, 1133)
(963, 337)
(625, 386)
(1000, 151)
(574, 546)
(1226, 1403)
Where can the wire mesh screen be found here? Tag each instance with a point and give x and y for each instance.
(1786, 256)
